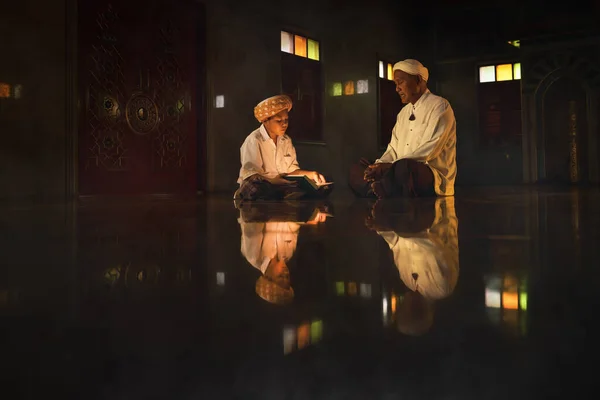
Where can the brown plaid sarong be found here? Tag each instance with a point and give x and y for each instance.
(258, 188)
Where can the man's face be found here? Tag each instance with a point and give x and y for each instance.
(407, 86)
(278, 124)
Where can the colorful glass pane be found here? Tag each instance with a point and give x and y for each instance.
(299, 46)
(362, 86)
(4, 90)
(352, 289)
(316, 331)
(510, 300)
(504, 72)
(337, 89)
(349, 88)
(313, 50)
(517, 71)
(287, 42)
(487, 74)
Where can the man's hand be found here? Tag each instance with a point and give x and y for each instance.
(375, 172)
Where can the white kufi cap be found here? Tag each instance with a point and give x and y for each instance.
(413, 67)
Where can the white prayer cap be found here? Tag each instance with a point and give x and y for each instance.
(412, 67)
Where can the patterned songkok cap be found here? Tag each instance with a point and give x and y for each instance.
(272, 106)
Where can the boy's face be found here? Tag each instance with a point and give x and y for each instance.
(277, 124)
(278, 272)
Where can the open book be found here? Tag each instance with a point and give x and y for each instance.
(306, 183)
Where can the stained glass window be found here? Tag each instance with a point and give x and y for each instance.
(336, 90)
(362, 86)
(287, 42)
(301, 78)
(349, 88)
(386, 70)
(18, 91)
(510, 300)
(289, 339)
(365, 290)
(500, 72)
(352, 289)
(221, 278)
(316, 331)
(299, 46)
(487, 74)
(313, 50)
(389, 102)
(4, 90)
(523, 301)
(517, 71)
(523, 294)
(393, 303)
(504, 72)
(492, 298)
(303, 336)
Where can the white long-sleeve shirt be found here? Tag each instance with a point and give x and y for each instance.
(432, 256)
(260, 155)
(430, 138)
(263, 241)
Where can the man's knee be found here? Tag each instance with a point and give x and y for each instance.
(415, 177)
(254, 189)
(356, 179)
(402, 170)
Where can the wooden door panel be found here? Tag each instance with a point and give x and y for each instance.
(137, 80)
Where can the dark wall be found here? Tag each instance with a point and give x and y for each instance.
(33, 127)
(459, 47)
(477, 163)
(244, 64)
(463, 35)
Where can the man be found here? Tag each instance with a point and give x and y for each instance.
(420, 159)
(423, 238)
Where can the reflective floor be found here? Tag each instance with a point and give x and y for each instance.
(492, 294)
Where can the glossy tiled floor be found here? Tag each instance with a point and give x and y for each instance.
(489, 295)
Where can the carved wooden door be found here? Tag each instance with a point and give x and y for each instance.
(138, 111)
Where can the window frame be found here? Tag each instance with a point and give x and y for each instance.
(508, 141)
(321, 91)
(380, 145)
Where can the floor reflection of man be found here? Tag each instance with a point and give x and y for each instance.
(423, 238)
(268, 243)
